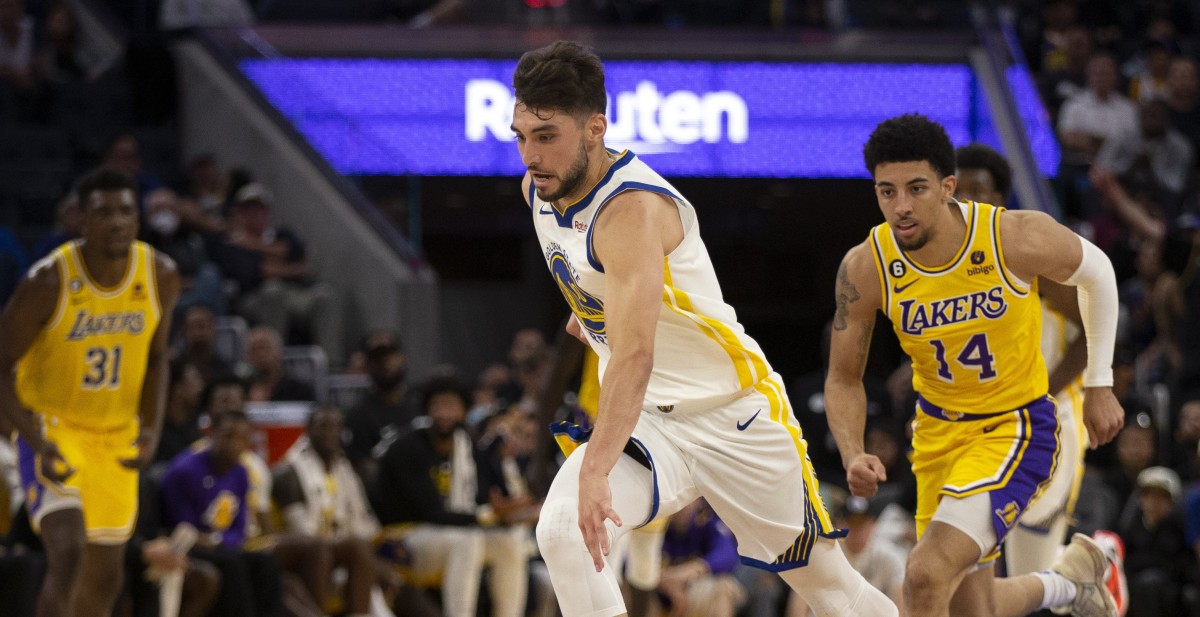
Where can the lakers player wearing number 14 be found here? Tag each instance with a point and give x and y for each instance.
(958, 282)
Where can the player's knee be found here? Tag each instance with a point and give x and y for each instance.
(921, 574)
(64, 557)
(558, 527)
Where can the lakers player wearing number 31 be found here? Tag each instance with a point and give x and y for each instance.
(83, 372)
(956, 279)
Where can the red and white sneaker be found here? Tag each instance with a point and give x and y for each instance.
(1114, 579)
(1085, 565)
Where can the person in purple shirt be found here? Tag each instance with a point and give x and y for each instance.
(699, 555)
(207, 487)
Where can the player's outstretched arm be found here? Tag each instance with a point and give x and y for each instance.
(1035, 244)
(154, 388)
(31, 307)
(632, 235)
(857, 295)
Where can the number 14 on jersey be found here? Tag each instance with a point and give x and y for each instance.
(974, 356)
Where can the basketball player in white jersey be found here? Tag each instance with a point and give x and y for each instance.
(688, 406)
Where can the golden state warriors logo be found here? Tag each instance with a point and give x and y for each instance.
(588, 308)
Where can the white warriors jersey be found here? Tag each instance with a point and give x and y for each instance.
(702, 355)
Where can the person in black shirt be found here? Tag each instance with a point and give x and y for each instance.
(436, 479)
(385, 413)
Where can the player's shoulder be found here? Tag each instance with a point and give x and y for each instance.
(166, 272)
(859, 261)
(1022, 230)
(857, 275)
(44, 273)
(163, 264)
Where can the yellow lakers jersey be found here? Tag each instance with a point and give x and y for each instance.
(88, 363)
(972, 329)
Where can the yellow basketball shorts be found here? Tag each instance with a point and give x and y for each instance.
(1010, 455)
(105, 490)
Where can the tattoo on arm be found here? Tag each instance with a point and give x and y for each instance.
(864, 348)
(846, 293)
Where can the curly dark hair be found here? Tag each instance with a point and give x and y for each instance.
(103, 179)
(561, 76)
(444, 384)
(909, 138)
(979, 156)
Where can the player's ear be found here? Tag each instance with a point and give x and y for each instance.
(596, 127)
(949, 185)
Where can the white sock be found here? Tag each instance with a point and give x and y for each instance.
(1057, 590)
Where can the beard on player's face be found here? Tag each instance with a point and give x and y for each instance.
(572, 179)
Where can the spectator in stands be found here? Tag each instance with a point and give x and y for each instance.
(180, 428)
(20, 89)
(205, 197)
(198, 334)
(305, 562)
(61, 58)
(385, 413)
(699, 555)
(200, 280)
(1085, 121)
(1150, 82)
(208, 488)
(320, 496)
(1155, 310)
(224, 394)
(177, 14)
(1183, 98)
(1151, 153)
(269, 381)
(436, 479)
(528, 359)
(489, 393)
(151, 554)
(1137, 450)
(125, 155)
(68, 225)
(507, 548)
(1185, 456)
(1157, 557)
(270, 266)
(1067, 75)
